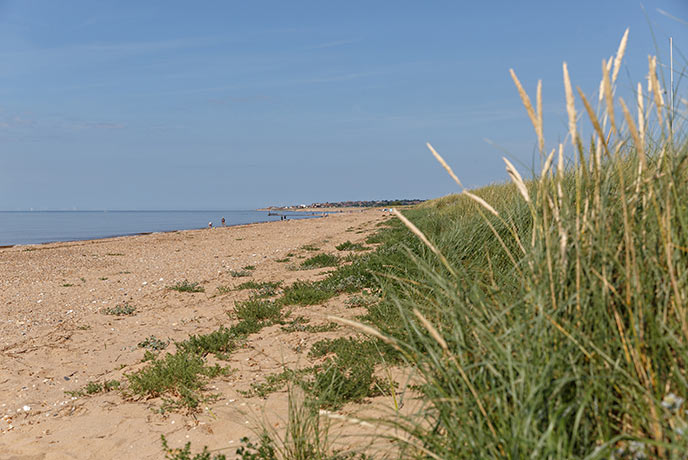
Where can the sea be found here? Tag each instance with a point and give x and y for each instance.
(34, 227)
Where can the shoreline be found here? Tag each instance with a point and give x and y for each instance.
(134, 234)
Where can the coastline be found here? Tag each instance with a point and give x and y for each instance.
(54, 336)
(96, 236)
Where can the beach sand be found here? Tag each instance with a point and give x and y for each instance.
(55, 338)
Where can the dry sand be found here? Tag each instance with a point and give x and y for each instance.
(55, 338)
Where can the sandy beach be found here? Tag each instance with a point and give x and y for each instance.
(55, 338)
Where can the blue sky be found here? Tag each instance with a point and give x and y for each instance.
(241, 104)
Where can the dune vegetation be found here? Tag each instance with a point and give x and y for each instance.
(545, 318)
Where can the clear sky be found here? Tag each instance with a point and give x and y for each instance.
(240, 104)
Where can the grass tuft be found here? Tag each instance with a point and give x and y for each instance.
(349, 246)
(309, 247)
(120, 310)
(187, 286)
(218, 342)
(306, 293)
(182, 375)
(320, 261)
(153, 343)
(92, 388)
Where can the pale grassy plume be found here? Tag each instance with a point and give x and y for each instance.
(570, 105)
(634, 132)
(600, 93)
(608, 96)
(444, 164)
(537, 123)
(365, 329)
(538, 129)
(517, 179)
(641, 120)
(560, 175)
(603, 116)
(421, 236)
(548, 164)
(481, 202)
(619, 55)
(431, 329)
(563, 236)
(655, 87)
(593, 119)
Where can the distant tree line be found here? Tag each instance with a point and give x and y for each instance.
(365, 204)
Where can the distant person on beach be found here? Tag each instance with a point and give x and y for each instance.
(223, 222)
(210, 225)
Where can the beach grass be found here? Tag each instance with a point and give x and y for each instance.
(309, 247)
(186, 286)
(124, 309)
(320, 261)
(349, 246)
(92, 388)
(545, 317)
(542, 318)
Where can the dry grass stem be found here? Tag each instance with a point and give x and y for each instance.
(593, 119)
(431, 329)
(444, 164)
(548, 163)
(538, 128)
(608, 96)
(570, 104)
(481, 202)
(526, 101)
(641, 120)
(634, 131)
(423, 238)
(365, 329)
(619, 55)
(600, 93)
(517, 179)
(655, 87)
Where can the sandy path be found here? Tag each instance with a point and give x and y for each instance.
(54, 337)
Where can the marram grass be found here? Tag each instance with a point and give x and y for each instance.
(564, 336)
(542, 318)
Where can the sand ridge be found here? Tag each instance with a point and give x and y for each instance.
(54, 337)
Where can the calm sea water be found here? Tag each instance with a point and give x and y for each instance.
(23, 227)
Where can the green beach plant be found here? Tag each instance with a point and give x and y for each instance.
(186, 286)
(320, 261)
(153, 343)
(546, 318)
(92, 388)
(349, 246)
(124, 309)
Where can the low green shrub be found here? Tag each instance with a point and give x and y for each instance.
(320, 261)
(187, 286)
(120, 310)
(349, 246)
